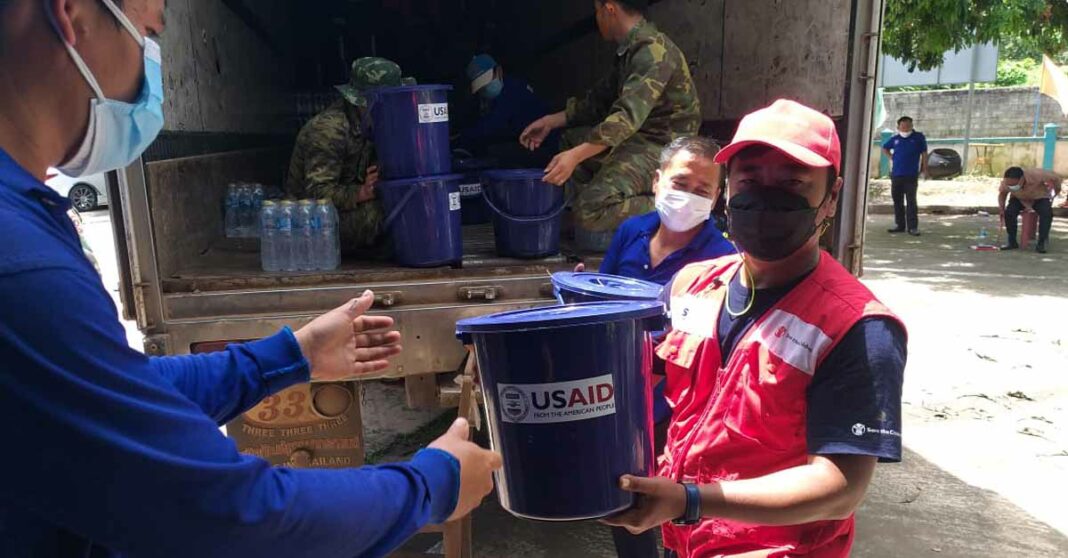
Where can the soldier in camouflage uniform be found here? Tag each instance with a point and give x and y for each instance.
(334, 159)
(645, 102)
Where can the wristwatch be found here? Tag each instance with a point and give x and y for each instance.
(692, 513)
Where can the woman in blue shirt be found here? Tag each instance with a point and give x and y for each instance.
(655, 246)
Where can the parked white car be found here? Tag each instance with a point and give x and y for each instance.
(85, 193)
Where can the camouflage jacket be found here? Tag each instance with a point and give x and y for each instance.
(649, 92)
(330, 158)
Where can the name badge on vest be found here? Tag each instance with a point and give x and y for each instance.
(694, 315)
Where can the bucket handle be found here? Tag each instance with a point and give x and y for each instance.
(396, 211)
(528, 220)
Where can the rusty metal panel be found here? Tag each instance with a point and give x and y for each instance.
(785, 48)
(186, 199)
(219, 75)
(696, 26)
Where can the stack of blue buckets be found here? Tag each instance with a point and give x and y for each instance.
(420, 195)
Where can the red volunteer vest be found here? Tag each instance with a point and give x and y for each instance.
(746, 418)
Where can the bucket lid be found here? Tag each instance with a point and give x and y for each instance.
(419, 179)
(559, 316)
(607, 286)
(514, 174)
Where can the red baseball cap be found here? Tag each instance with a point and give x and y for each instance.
(804, 134)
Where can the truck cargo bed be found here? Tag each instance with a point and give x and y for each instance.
(234, 264)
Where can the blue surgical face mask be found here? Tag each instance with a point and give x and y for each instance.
(119, 132)
(492, 89)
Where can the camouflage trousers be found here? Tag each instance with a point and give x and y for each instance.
(613, 186)
(361, 232)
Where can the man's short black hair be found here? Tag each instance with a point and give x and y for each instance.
(698, 145)
(630, 6)
(904, 119)
(1014, 173)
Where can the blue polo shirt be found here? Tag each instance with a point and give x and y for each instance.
(121, 454)
(628, 256)
(505, 117)
(906, 154)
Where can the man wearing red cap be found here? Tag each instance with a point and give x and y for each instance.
(783, 371)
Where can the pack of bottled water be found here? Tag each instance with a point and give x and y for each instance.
(299, 236)
(242, 208)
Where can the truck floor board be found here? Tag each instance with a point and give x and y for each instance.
(235, 264)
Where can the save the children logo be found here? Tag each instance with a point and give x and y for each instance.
(557, 402)
(780, 332)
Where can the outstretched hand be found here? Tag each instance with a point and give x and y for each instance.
(345, 343)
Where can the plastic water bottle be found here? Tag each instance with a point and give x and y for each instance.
(245, 216)
(284, 250)
(269, 237)
(258, 195)
(230, 207)
(328, 249)
(984, 237)
(303, 236)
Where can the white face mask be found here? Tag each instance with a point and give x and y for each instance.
(905, 134)
(681, 211)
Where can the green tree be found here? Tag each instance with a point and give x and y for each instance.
(918, 32)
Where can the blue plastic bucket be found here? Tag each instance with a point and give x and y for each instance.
(473, 208)
(411, 130)
(571, 288)
(526, 212)
(423, 219)
(568, 404)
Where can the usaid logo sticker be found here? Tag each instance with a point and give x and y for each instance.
(557, 402)
(471, 189)
(433, 112)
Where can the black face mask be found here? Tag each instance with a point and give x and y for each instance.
(770, 223)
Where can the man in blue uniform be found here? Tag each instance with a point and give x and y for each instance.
(907, 150)
(507, 105)
(119, 453)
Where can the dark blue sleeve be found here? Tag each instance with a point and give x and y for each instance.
(888, 143)
(495, 124)
(123, 458)
(854, 401)
(610, 263)
(923, 143)
(228, 383)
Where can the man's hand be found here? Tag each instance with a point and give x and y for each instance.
(534, 135)
(366, 192)
(476, 466)
(344, 343)
(660, 500)
(1028, 205)
(562, 167)
(580, 267)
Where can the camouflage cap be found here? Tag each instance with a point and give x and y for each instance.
(368, 73)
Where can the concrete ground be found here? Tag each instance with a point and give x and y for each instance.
(985, 405)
